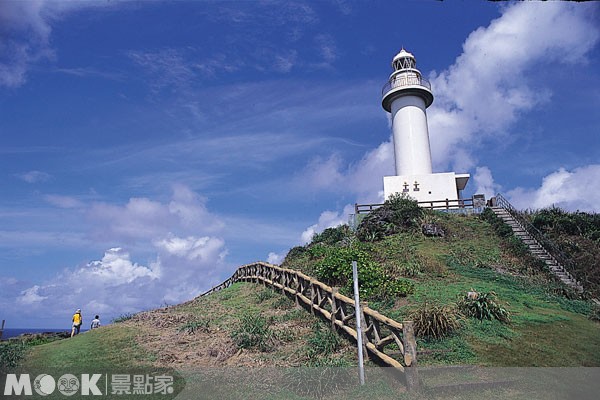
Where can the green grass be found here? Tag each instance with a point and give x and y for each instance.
(100, 349)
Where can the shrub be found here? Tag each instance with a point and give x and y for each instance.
(332, 236)
(253, 332)
(295, 252)
(398, 213)
(483, 306)
(435, 321)
(335, 269)
(11, 354)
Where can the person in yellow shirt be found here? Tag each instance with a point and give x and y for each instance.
(77, 321)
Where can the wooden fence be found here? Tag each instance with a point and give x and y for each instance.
(390, 343)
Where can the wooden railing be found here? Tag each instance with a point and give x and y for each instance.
(383, 338)
(432, 205)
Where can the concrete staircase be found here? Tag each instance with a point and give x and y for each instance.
(537, 249)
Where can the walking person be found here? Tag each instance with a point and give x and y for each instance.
(95, 322)
(77, 321)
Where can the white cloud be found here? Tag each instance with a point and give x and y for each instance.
(484, 92)
(191, 248)
(146, 219)
(484, 182)
(34, 176)
(117, 268)
(570, 190)
(30, 296)
(363, 179)
(274, 258)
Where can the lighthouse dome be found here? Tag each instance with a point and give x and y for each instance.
(403, 54)
(404, 60)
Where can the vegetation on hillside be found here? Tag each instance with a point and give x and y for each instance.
(475, 292)
(577, 234)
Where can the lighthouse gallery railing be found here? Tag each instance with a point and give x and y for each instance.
(401, 81)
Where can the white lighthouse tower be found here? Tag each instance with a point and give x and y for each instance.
(406, 96)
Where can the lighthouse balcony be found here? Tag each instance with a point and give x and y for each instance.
(406, 85)
(402, 81)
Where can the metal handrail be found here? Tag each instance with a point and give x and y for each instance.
(445, 204)
(401, 81)
(553, 249)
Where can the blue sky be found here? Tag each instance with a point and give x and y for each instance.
(149, 148)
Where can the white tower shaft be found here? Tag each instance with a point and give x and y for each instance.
(411, 136)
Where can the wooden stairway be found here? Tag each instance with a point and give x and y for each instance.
(537, 249)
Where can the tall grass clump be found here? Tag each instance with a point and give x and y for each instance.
(253, 333)
(199, 325)
(435, 321)
(322, 341)
(483, 306)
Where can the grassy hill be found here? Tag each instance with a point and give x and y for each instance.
(405, 274)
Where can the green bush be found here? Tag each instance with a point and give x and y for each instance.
(253, 332)
(295, 252)
(335, 269)
(398, 214)
(435, 321)
(483, 306)
(11, 354)
(332, 236)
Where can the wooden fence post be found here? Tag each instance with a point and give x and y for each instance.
(333, 308)
(410, 356)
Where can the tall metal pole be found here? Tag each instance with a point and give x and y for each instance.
(359, 341)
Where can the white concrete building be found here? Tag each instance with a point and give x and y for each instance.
(406, 96)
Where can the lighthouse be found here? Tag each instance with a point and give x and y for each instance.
(406, 96)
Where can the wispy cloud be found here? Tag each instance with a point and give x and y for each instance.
(166, 67)
(26, 27)
(84, 72)
(62, 201)
(34, 176)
